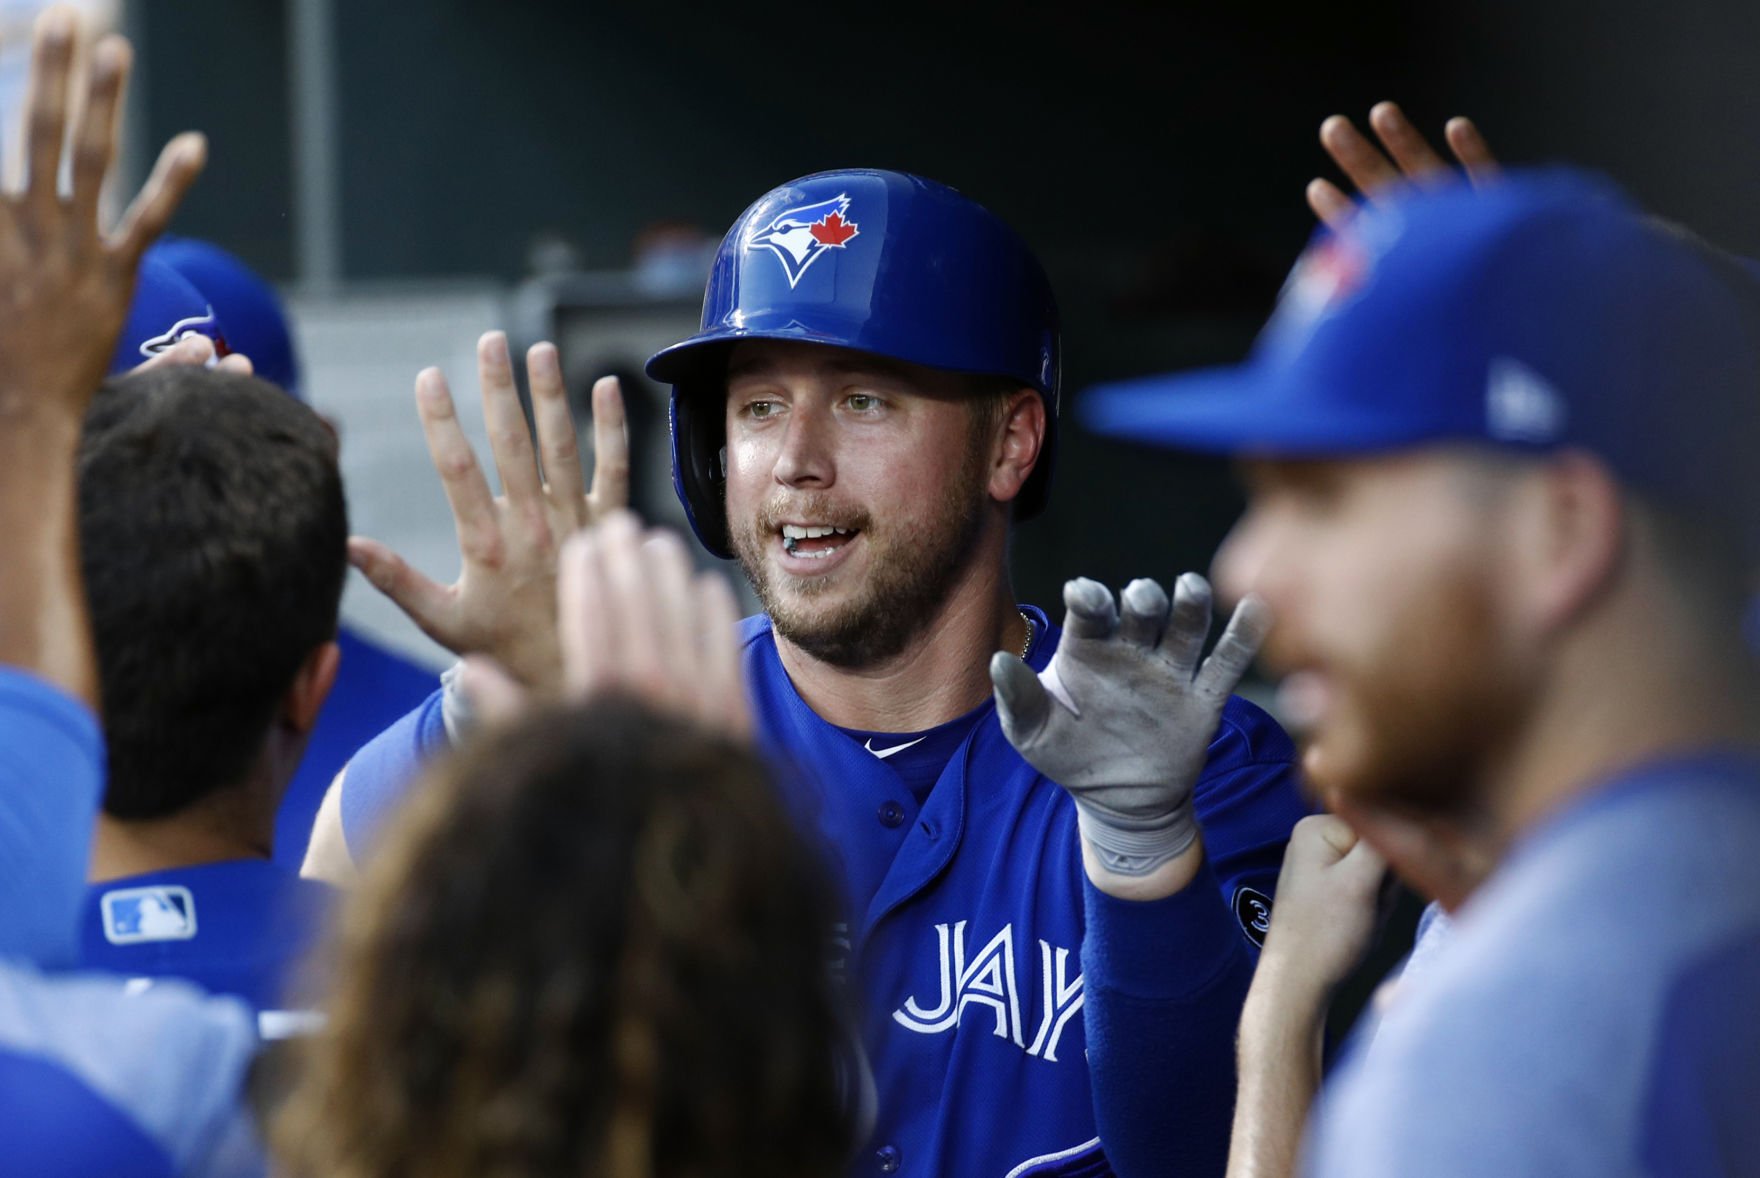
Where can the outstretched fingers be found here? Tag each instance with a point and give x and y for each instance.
(1089, 610)
(557, 443)
(1022, 703)
(1330, 204)
(94, 137)
(1372, 172)
(723, 695)
(1470, 148)
(178, 166)
(45, 120)
(467, 491)
(610, 448)
(1188, 623)
(1416, 159)
(1236, 649)
(510, 439)
(1144, 614)
(428, 603)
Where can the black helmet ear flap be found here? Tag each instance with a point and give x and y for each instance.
(699, 465)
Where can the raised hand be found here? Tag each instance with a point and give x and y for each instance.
(1124, 714)
(504, 602)
(1404, 158)
(65, 287)
(634, 618)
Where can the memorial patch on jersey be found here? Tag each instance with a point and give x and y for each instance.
(166, 912)
(798, 236)
(1253, 909)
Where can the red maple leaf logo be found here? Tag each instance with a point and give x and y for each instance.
(833, 230)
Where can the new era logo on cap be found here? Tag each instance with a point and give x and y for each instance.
(163, 913)
(1521, 405)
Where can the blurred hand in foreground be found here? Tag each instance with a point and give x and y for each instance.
(1404, 158)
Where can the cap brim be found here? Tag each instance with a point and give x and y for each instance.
(1240, 409)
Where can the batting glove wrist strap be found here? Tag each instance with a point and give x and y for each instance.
(1132, 845)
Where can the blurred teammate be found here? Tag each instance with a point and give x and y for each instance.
(869, 405)
(594, 943)
(213, 539)
(374, 685)
(1501, 508)
(92, 1080)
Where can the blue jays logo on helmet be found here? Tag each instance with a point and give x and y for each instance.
(798, 236)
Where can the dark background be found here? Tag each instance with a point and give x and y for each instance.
(1154, 154)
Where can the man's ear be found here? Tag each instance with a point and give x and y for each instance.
(310, 688)
(1020, 440)
(1573, 536)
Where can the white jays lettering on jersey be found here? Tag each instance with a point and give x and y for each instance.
(969, 927)
(966, 924)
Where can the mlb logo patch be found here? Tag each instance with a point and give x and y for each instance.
(163, 913)
(801, 235)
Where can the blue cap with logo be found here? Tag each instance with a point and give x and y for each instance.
(255, 322)
(166, 307)
(1543, 312)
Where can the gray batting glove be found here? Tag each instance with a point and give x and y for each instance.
(1124, 714)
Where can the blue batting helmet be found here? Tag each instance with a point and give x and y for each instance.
(879, 262)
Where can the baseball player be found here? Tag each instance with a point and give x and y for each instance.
(374, 685)
(1502, 509)
(92, 1080)
(870, 403)
(209, 504)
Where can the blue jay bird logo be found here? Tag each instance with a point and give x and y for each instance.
(205, 324)
(800, 235)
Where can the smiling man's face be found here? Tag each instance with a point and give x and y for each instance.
(856, 489)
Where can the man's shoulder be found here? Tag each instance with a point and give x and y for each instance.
(173, 1059)
(754, 631)
(1249, 735)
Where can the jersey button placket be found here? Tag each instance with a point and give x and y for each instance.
(891, 815)
(888, 1158)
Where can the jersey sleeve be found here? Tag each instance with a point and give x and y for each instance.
(51, 780)
(1248, 800)
(1165, 979)
(1163, 985)
(377, 776)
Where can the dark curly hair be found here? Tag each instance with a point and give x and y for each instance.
(592, 944)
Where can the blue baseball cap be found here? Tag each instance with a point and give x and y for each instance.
(255, 322)
(1544, 312)
(166, 307)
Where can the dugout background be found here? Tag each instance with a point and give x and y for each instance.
(1153, 153)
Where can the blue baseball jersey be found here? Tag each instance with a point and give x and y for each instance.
(51, 777)
(374, 687)
(1595, 1009)
(243, 927)
(967, 908)
(96, 1079)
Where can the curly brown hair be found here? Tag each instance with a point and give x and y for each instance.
(592, 944)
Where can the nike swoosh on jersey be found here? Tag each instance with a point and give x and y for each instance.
(897, 748)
